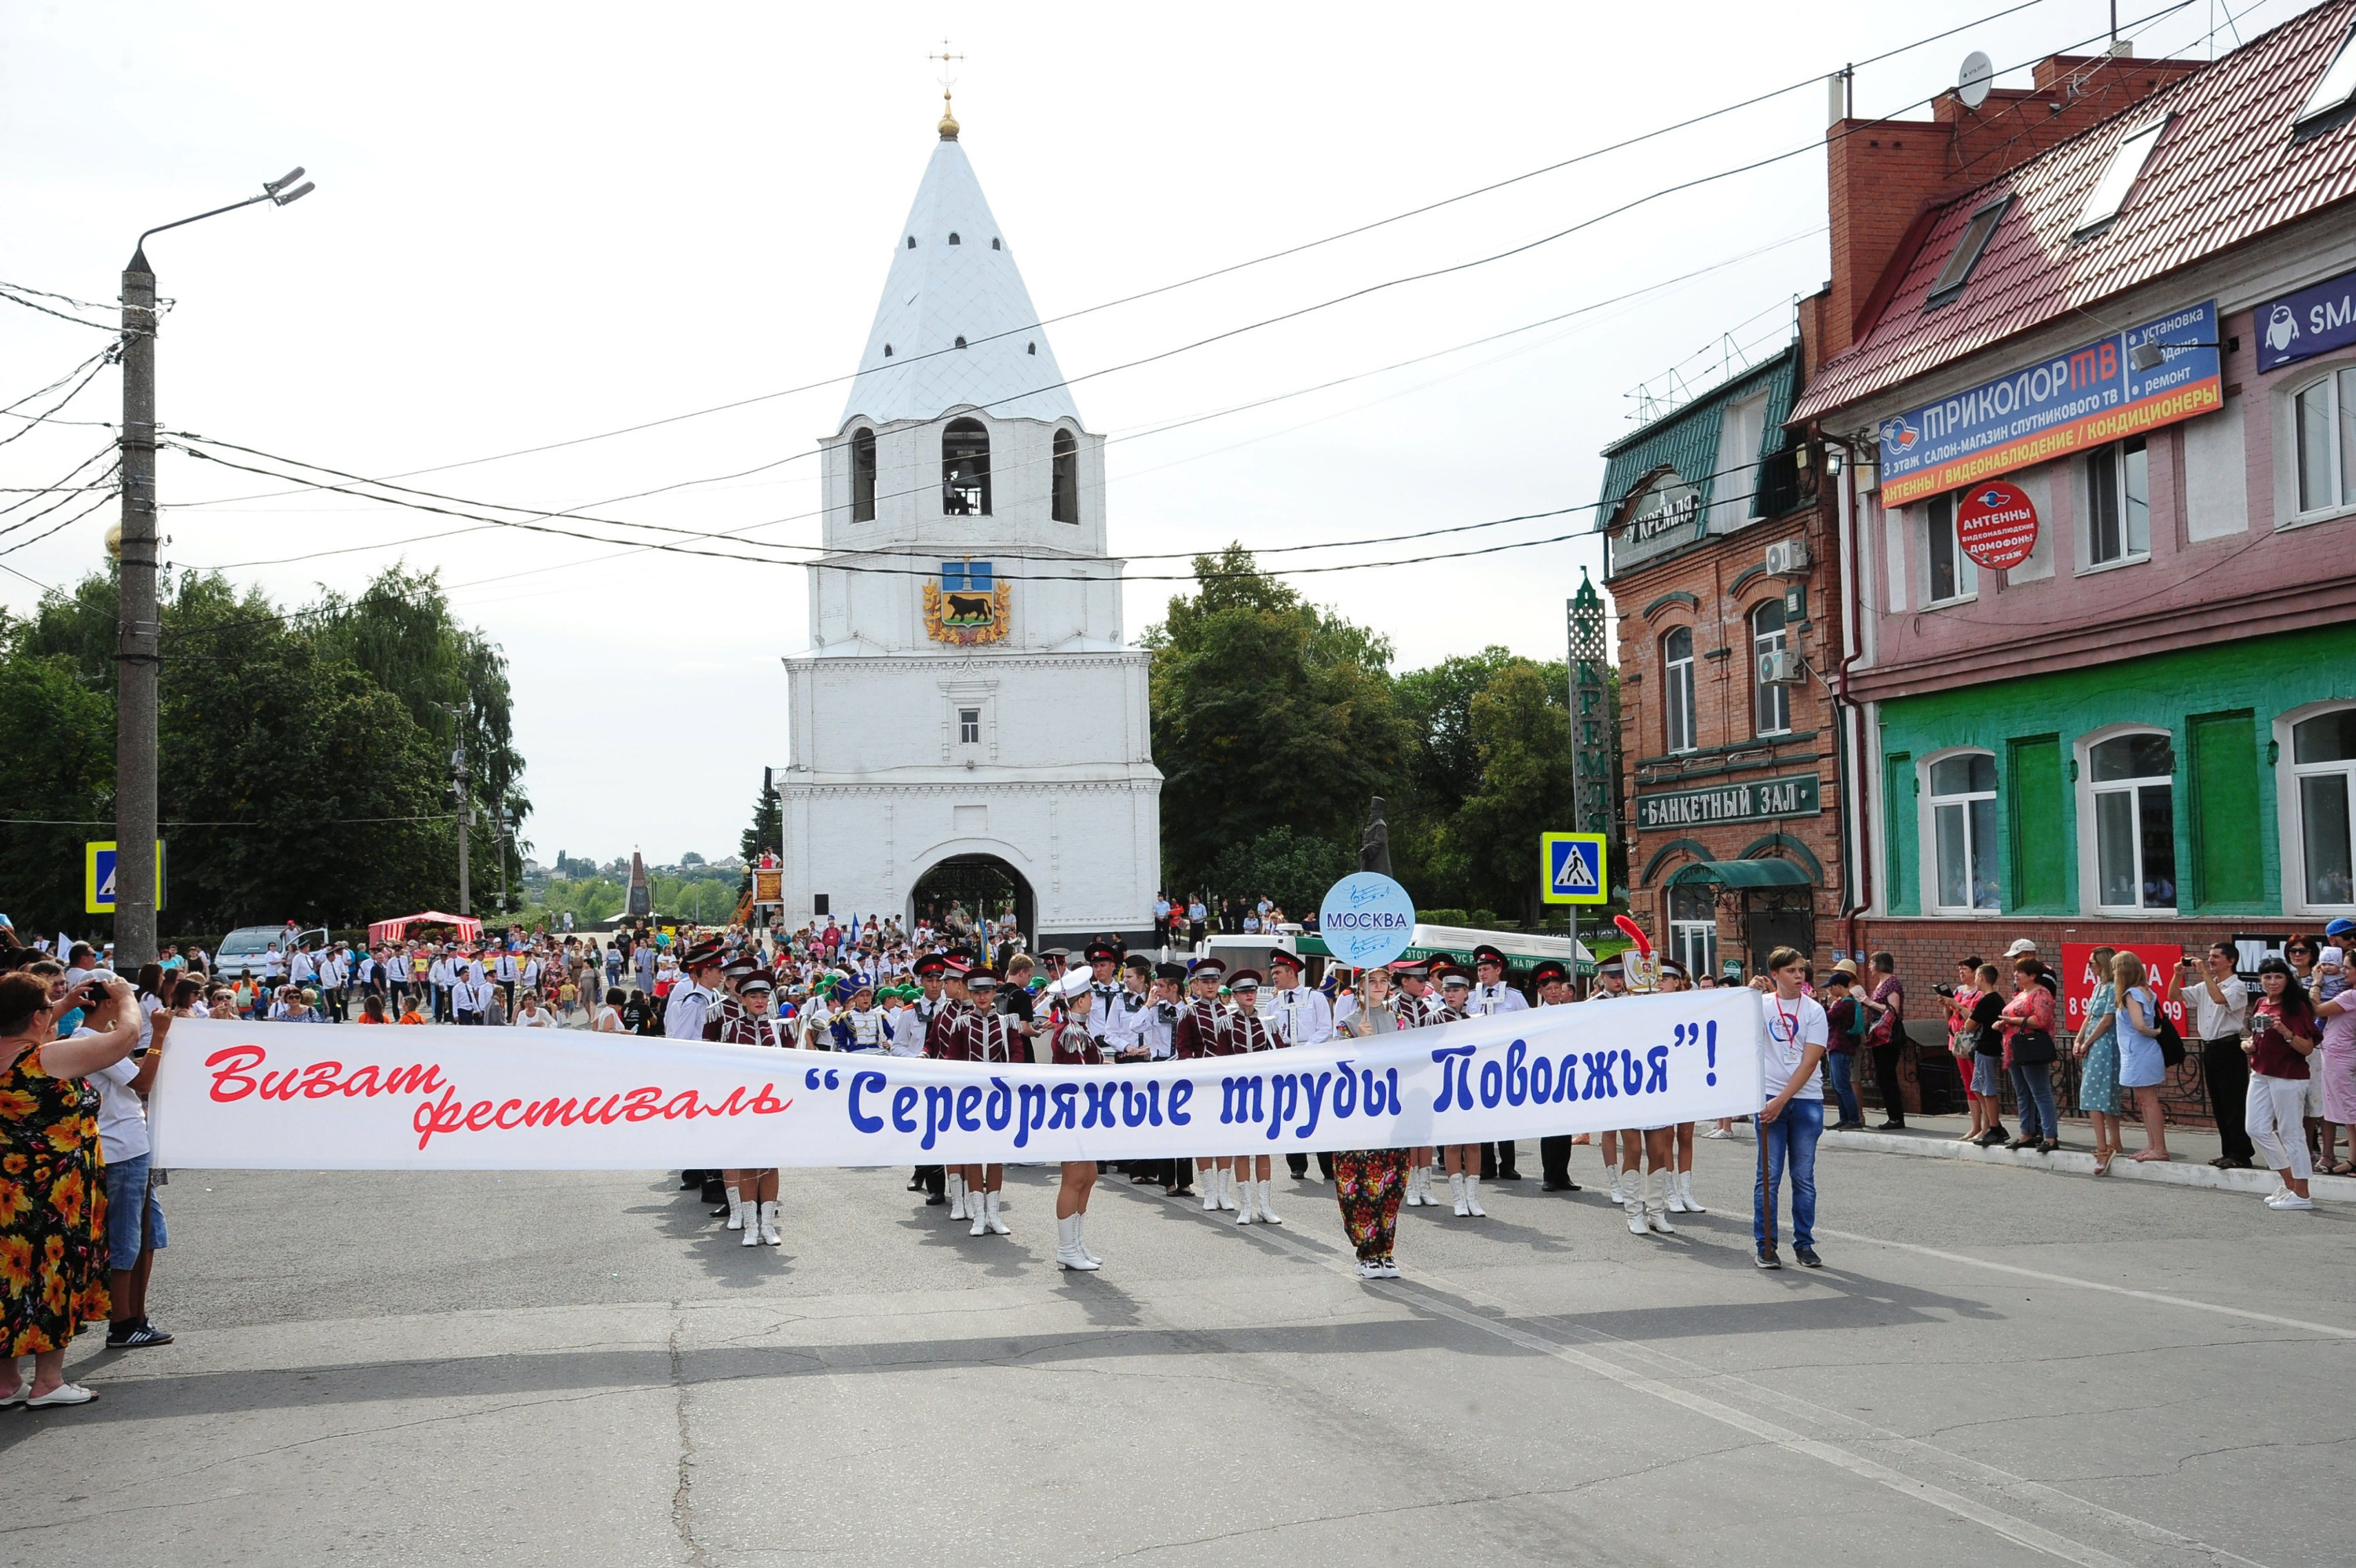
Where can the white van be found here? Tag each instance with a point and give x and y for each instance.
(238, 957)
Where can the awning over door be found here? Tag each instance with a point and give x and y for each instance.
(1742, 874)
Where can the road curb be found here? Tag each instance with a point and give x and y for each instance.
(2071, 1162)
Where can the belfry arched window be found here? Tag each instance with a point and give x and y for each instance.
(1067, 499)
(965, 469)
(862, 476)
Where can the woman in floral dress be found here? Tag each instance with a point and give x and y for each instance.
(53, 1251)
(1370, 1182)
(2098, 1053)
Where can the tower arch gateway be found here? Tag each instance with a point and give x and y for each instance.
(969, 706)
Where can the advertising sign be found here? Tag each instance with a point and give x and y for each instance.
(1997, 524)
(1573, 869)
(1366, 919)
(1759, 800)
(280, 1096)
(2085, 398)
(2078, 980)
(2316, 320)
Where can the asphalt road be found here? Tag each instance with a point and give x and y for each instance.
(1996, 1367)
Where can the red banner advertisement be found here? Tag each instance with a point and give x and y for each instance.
(2078, 978)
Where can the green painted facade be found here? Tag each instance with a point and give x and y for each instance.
(2219, 702)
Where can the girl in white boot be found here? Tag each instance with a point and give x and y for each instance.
(1071, 1045)
(1251, 1033)
(984, 1034)
(1463, 1159)
(1679, 1173)
(752, 1194)
(1202, 1029)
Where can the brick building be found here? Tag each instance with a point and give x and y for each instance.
(1716, 536)
(2117, 306)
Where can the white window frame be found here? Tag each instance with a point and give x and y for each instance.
(2289, 809)
(2110, 195)
(2329, 378)
(1778, 641)
(1676, 685)
(1686, 936)
(1734, 493)
(2090, 864)
(2091, 481)
(1929, 839)
(1967, 570)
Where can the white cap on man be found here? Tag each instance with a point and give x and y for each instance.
(2019, 947)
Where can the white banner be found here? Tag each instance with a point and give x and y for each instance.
(329, 1096)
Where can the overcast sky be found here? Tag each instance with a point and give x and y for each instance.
(536, 224)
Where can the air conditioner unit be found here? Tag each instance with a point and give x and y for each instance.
(1781, 669)
(1787, 558)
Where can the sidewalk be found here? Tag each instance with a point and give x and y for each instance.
(1934, 1137)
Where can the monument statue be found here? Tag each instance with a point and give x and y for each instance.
(1375, 840)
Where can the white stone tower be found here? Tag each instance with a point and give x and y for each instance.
(966, 717)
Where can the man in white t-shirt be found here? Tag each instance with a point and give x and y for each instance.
(2218, 1001)
(1791, 1074)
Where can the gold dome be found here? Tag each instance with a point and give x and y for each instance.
(948, 120)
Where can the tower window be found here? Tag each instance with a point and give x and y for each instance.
(994, 244)
(887, 351)
(912, 241)
(862, 476)
(968, 726)
(1064, 505)
(964, 468)
(955, 240)
(1031, 349)
(960, 343)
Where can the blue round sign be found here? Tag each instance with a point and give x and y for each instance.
(1366, 919)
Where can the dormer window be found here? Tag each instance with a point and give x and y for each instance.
(994, 244)
(912, 241)
(1965, 257)
(960, 343)
(2119, 180)
(2338, 86)
(955, 240)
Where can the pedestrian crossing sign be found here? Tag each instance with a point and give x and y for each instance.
(1573, 869)
(98, 876)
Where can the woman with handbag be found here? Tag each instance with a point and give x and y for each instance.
(2142, 1067)
(2028, 1024)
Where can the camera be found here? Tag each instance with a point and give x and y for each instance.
(1945, 991)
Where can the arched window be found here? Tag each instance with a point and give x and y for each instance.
(1677, 689)
(1693, 927)
(2131, 791)
(1771, 704)
(955, 240)
(2323, 765)
(1066, 503)
(965, 469)
(862, 476)
(1962, 833)
(912, 241)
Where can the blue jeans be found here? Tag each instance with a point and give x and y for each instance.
(135, 1221)
(1790, 1137)
(1840, 1066)
(2033, 1086)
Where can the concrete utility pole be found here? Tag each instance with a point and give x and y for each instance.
(138, 633)
(463, 787)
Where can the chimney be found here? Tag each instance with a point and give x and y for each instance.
(1885, 177)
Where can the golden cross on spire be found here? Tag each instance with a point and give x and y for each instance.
(949, 121)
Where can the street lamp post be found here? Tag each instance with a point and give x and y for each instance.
(138, 631)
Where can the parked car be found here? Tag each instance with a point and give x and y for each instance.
(240, 953)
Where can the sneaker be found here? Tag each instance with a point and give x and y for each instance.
(2289, 1199)
(1387, 1269)
(1767, 1258)
(1369, 1269)
(1807, 1256)
(133, 1336)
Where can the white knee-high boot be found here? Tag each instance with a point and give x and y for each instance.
(1632, 1199)
(1473, 1195)
(1656, 1218)
(1086, 1251)
(735, 1209)
(1685, 1190)
(769, 1222)
(1456, 1190)
(996, 1226)
(1267, 1213)
(956, 1196)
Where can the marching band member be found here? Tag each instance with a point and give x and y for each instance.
(1302, 1016)
(864, 1024)
(1128, 1012)
(1611, 980)
(982, 1034)
(1369, 1182)
(753, 1193)
(1552, 982)
(1074, 1044)
(1408, 1011)
(1681, 1199)
(1158, 1035)
(1104, 986)
(1251, 1032)
(1201, 1029)
(939, 1043)
(1463, 1159)
(1491, 994)
(912, 1036)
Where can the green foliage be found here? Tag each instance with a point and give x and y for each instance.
(766, 834)
(310, 738)
(1293, 869)
(1268, 711)
(1520, 730)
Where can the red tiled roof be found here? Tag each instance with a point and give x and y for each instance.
(2226, 170)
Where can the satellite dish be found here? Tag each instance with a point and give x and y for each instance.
(1973, 81)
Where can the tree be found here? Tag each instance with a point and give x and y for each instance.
(1519, 725)
(292, 781)
(1293, 869)
(1268, 711)
(1444, 770)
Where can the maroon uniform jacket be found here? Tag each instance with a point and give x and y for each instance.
(1252, 1033)
(936, 1032)
(978, 1036)
(1202, 1030)
(1074, 1046)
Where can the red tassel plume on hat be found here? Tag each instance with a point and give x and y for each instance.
(1636, 935)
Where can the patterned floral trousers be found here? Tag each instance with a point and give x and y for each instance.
(1370, 1183)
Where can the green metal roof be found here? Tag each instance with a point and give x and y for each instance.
(1741, 874)
(1686, 439)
